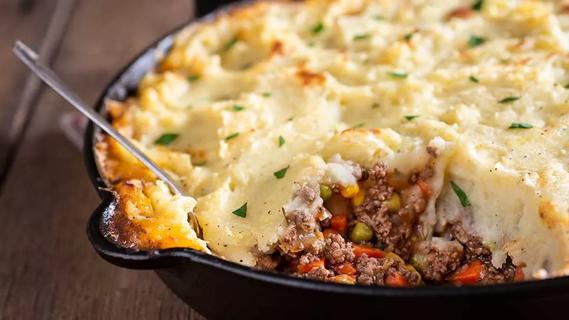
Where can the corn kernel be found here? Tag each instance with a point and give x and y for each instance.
(358, 199)
(349, 191)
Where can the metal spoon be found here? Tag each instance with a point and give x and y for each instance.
(30, 59)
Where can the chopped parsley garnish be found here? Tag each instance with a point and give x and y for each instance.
(246, 66)
(242, 211)
(475, 41)
(199, 163)
(520, 125)
(230, 44)
(166, 138)
(193, 77)
(398, 75)
(378, 18)
(290, 119)
(460, 194)
(319, 27)
(477, 5)
(231, 136)
(281, 141)
(508, 99)
(359, 125)
(267, 94)
(566, 86)
(411, 117)
(408, 36)
(281, 173)
(361, 36)
(311, 44)
(473, 79)
(238, 108)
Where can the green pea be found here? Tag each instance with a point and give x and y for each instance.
(394, 203)
(361, 232)
(325, 192)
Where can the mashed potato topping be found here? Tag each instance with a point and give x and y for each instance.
(247, 107)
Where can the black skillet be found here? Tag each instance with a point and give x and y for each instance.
(220, 289)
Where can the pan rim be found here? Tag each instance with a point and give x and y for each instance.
(178, 256)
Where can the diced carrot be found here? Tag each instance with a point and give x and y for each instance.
(469, 274)
(425, 188)
(396, 280)
(344, 279)
(369, 251)
(339, 223)
(519, 276)
(346, 268)
(304, 268)
(328, 232)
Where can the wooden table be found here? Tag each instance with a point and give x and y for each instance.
(48, 269)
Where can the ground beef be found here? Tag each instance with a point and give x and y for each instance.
(372, 271)
(320, 273)
(308, 258)
(373, 211)
(432, 151)
(404, 221)
(307, 194)
(424, 174)
(303, 230)
(474, 248)
(414, 200)
(289, 241)
(491, 274)
(304, 219)
(442, 257)
(393, 230)
(337, 251)
(317, 273)
(267, 262)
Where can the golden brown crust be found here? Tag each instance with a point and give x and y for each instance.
(134, 223)
(123, 230)
(310, 78)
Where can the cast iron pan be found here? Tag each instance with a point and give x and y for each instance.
(220, 289)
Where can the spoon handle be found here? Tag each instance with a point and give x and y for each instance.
(30, 59)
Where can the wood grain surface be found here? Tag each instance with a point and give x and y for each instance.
(48, 269)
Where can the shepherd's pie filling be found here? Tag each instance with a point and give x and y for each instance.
(376, 142)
